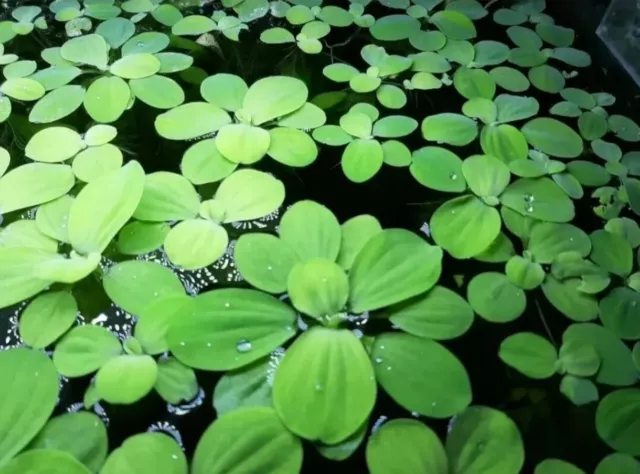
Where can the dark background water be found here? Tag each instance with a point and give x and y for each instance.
(550, 425)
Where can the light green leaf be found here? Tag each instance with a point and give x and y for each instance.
(397, 27)
(57, 104)
(156, 452)
(486, 176)
(249, 386)
(195, 243)
(437, 390)
(490, 53)
(502, 449)
(524, 273)
(29, 403)
(495, 298)
(126, 379)
(149, 42)
(539, 198)
(618, 313)
(356, 232)
(274, 97)
(616, 367)
(311, 230)
(226, 91)
(547, 79)
(93, 222)
(454, 25)
(505, 142)
(107, 98)
(578, 358)
(167, 197)
(555, 34)
(453, 129)
(191, 120)
(251, 438)
(202, 163)
(82, 435)
(137, 238)
(116, 31)
(39, 146)
(43, 460)
(135, 66)
(87, 49)
(306, 366)
(556, 466)
(362, 159)
(47, 318)
(249, 194)
(247, 325)
(291, 147)
(439, 314)
(157, 91)
(578, 390)
(33, 184)
(193, 25)
(618, 463)
(611, 252)
(509, 79)
(318, 288)
(155, 319)
(84, 350)
(617, 420)
(472, 83)
(176, 383)
(572, 57)
(465, 226)
(407, 443)
(96, 161)
(244, 144)
(25, 89)
(530, 354)
(121, 284)
(394, 265)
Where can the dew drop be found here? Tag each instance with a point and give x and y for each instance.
(388, 367)
(318, 387)
(378, 360)
(226, 305)
(269, 268)
(182, 343)
(433, 404)
(529, 208)
(243, 346)
(139, 44)
(208, 344)
(453, 176)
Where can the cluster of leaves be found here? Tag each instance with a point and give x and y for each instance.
(512, 206)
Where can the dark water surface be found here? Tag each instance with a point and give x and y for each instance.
(551, 426)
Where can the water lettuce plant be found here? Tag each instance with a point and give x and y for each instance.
(171, 265)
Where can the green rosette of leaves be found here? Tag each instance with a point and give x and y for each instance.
(362, 131)
(332, 274)
(269, 118)
(29, 258)
(199, 238)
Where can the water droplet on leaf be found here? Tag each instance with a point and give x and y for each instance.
(243, 346)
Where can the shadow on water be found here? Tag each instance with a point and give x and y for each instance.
(550, 425)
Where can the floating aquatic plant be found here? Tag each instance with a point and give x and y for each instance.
(323, 316)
